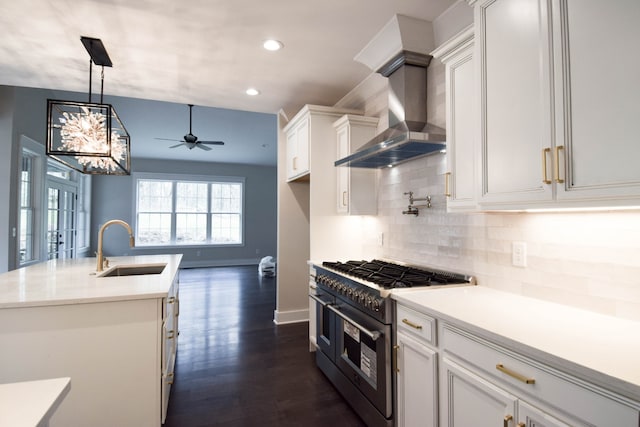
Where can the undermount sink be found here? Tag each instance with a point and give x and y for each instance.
(133, 270)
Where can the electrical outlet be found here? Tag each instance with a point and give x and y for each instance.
(380, 239)
(519, 254)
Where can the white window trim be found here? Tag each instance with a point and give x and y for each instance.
(186, 177)
(39, 170)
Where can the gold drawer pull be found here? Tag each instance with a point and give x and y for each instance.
(521, 425)
(171, 300)
(410, 323)
(500, 367)
(447, 178)
(507, 418)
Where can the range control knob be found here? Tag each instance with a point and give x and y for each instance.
(377, 303)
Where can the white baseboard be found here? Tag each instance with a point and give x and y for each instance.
(220, 263)
(292, 316)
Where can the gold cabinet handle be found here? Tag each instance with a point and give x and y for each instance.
(171, 300)
(171, 334)
(344, 198)
(521, 425)
(507, 418)
(500, 367)
(294, 162)
(395, 357)
(447, 190)
(410, 323)
(557, 161)
(544, 165)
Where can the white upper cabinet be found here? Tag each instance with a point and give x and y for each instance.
(298, 148)
(513, 56)
(597, 64)
(556, 112)
(357, 191)
(462, 123)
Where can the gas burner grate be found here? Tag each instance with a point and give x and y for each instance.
(390, 275)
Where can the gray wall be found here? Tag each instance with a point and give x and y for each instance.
(113, 199)
(22, 112)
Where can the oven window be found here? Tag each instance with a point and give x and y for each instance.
(360, 350)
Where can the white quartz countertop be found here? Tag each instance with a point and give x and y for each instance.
(31, 403)
(604, 349)
(74, 281)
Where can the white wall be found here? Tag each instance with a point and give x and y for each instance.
(293, 242)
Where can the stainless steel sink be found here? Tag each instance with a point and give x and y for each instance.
(133, 270)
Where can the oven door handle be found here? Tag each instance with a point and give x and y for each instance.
(374, 335)
(319, 301)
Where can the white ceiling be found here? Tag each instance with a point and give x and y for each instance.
(202, 52)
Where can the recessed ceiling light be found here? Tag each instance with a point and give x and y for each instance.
(252, 91)
(272, 45)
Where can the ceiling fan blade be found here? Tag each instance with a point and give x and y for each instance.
(203, 147)
(177, 145)
(211, 142)
(167, 139)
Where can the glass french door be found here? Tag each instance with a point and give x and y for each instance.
(61, 220)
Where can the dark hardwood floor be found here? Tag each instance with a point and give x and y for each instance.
(236, 368)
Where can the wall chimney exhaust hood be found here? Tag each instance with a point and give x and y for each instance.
(409, 136)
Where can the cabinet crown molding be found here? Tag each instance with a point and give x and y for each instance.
(461, 40)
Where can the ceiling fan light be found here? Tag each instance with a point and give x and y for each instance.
(272, 45)
(252, 91)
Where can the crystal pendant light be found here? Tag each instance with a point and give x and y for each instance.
(89, 137)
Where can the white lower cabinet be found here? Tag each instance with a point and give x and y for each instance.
(448, 376)
(171, 311)
(494, 385)
(417, 383)
(469, 400)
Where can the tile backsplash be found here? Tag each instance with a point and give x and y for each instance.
(585, 259)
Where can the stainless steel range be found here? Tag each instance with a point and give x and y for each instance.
(354, 329)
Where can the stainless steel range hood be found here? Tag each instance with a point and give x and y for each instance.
(400, 52)
(409, 135)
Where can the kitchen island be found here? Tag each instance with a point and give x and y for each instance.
(115, 337)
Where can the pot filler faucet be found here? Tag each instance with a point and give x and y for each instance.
(413, 210)
(100, 257)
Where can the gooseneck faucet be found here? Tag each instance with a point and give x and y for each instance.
(100, 257)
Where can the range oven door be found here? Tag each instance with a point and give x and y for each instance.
(325, 324)
(364, 354)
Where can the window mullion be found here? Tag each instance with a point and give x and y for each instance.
(209, 211)
(174, 196)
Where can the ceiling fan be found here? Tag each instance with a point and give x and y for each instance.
(190, 140)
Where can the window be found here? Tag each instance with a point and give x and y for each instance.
(189, 211)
